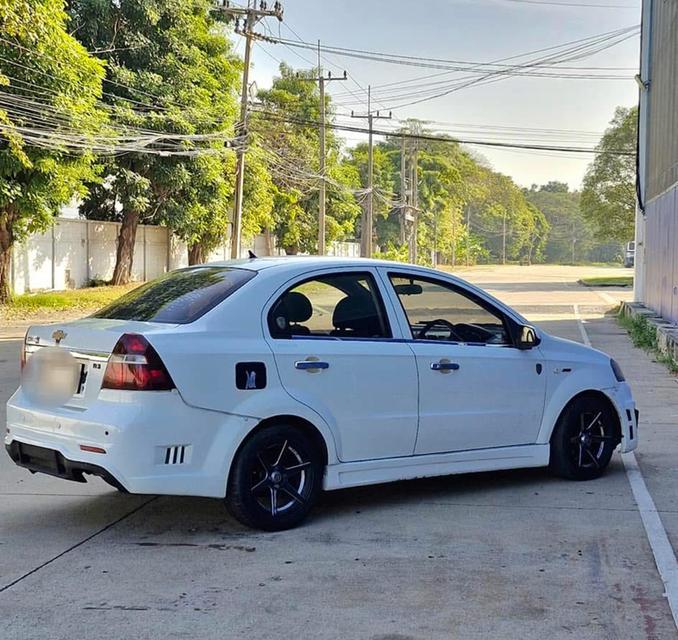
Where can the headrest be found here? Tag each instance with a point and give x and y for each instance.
(357, 314)
(295, 306)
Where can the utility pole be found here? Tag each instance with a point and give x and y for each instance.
(454, 238)
(403, 192)
(366, 239)
(468, 236)
(434, 256)
(321, 80)
(574, 240)
(250, 16)
(503, 240)
(415, 202)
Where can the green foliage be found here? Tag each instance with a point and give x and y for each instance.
(608, 196)
(76, 301)
(608, 281)
(169, 68)
(454, 188)
(291, 156)
(394, 252)
(570, 237)
(43, 60)
(643, 333)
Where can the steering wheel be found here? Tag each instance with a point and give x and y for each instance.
(439, 322)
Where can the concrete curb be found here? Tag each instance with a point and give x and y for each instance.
(667, 333)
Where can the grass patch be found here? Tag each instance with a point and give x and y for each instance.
(608, 281)
(643, 334)
(72, 300)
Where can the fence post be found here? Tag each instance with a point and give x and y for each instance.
(12, 276)
(144, 253)
(53, 257)
(88, 270)
(168, 257)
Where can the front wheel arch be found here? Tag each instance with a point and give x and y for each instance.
(598, 395)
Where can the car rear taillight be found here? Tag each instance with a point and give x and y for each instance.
(135, 365)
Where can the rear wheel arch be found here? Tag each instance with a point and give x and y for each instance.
(294, 421)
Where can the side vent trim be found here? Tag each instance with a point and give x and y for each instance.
(176, 454)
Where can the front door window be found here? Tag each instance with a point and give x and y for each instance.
(437, 311)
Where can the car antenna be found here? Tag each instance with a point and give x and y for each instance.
(251, 255)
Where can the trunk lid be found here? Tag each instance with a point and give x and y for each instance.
(90, 341)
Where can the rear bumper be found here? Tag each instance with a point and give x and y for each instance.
(43, 460)
(145, 442)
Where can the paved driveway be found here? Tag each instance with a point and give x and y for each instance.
(511, 554)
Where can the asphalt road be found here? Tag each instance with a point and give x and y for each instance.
(511, 554)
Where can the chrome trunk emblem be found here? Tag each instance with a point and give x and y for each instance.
(59, 335)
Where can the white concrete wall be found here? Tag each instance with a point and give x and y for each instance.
(75, 251)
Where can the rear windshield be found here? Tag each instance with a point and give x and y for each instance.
(179, 297)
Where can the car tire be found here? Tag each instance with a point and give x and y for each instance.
(584, 438)
(275, 479)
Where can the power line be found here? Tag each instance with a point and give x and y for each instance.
(434, 138)
(583, 5)
(451, 64)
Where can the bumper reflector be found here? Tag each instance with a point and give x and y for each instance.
(86, 447)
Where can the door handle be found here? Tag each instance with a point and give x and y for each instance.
(311, 365)
(444, 366)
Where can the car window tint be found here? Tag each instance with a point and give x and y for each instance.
(345, 305)
(437, 311)
(178, 297)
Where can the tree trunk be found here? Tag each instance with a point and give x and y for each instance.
(269, 241)
(196, 254)
(125, 252)
(6, 242)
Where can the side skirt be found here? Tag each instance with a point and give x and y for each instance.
(355, 474)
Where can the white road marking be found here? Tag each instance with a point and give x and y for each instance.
(580, 324)
(607, 297)
(664, 556)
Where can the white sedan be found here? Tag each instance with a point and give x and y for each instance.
(265, 381)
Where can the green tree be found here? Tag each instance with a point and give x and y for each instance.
(570, 238)
(498, 213)
(41, 62)
(454, 189)
(385, 226)
(290, 148)
(169, 68)
(608, 198)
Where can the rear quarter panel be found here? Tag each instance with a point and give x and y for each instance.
(202, 359)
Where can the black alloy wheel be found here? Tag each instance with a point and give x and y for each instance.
(275, 479)
(584, 438)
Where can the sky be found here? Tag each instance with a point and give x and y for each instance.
(477, 31)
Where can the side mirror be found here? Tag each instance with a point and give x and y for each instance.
(527, 337)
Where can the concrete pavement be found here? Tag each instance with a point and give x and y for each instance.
(511, 554)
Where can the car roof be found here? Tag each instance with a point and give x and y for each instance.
(296, 265)
(307, 262)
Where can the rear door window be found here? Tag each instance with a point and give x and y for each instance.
(179, 297)
(340, 305)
